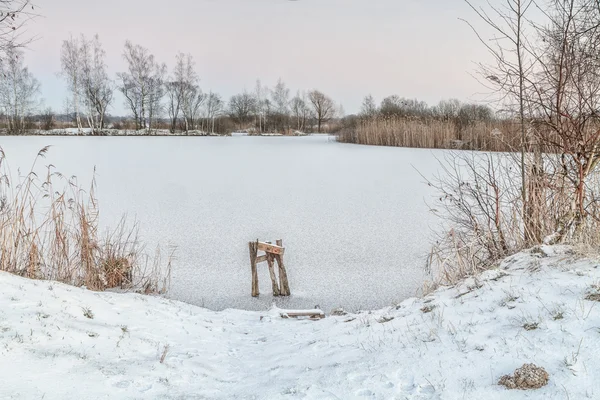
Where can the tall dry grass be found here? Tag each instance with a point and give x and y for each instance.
(49, 230)
(433, 133)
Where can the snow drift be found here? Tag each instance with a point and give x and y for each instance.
(540, 306)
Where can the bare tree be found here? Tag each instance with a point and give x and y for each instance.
(191, 94)
(280, 98)
(300, 110)
(192, 105)
(70, 57)
(84, 68)
(447, 110)
(173, 92)
(19, 90)
(241, 107)
(259, 103)
(552, 75)
(514, 62)
(565, 102)
(323, 107)
(142, 85)
(156, 93)
(368, 108)
(213, 109)
(128, 89)
(14, 14)
(546, 75)
(97, 88)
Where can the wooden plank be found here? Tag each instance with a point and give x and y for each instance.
(262, 258)
(316, 313)
(270, 248)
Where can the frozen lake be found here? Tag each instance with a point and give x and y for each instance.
(353, 218)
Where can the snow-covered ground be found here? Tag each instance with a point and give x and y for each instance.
(60, 342)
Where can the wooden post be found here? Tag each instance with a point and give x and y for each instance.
(272, 253)
(253, 246)
(272, 273)
(283, 279)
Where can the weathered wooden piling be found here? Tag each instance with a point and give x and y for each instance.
(273, 253)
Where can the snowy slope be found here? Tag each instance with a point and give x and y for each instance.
(454, 344)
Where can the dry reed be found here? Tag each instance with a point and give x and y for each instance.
(49, 230)
(434, 133)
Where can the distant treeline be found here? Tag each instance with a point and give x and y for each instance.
(155, 96)
(159, 98)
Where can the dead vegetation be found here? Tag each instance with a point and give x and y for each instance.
(49, 230)
(433, 133)
(593, 293)
(529, 376)
(546, 188)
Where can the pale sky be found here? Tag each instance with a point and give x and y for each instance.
(345, 48)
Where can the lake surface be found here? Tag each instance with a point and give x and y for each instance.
(353, 218)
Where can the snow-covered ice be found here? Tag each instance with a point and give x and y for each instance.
(60, 342)
(353, 219)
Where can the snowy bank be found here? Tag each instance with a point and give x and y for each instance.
(61, 342)
(114, 132)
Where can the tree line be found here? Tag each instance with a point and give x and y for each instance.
(154, 96)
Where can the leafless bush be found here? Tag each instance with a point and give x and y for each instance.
(480, 203)
(49, 230)
(478, 194)
(546, 73)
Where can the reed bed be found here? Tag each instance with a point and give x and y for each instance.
(434, 133)
(49, 230)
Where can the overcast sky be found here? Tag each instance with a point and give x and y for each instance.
(345, 48)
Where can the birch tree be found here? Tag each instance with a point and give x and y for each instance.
(259, 102)
(173, 92)
(97, 88)
(300, 110)
(142, 85)
(156, 93)
(70, 58)
(91, 89)
(213, 109)
(191, 94)
(19, 90)
(280, 98)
